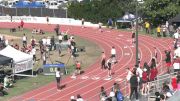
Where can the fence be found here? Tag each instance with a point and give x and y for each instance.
(39, 12)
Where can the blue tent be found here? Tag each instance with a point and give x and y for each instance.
(35, 4)
(22, 4)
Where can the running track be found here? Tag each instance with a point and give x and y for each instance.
(89, 83)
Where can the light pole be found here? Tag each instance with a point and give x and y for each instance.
(137, 52)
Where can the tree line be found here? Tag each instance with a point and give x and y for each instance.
(155, 11)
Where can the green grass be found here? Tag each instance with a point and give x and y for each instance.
(27, 84)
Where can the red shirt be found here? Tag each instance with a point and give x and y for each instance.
(144, 76)
(22, 23)
(153, 73)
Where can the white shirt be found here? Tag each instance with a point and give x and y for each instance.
(176, 66)
(129, 75)
(80, 99)
(176, 35)
(113, 51)
(24, 38)
(6, 81)
(44, 41)
(6, 42)
(58, 74)
(139, 71)
(33, 51)
(48, 41)
(60, 37)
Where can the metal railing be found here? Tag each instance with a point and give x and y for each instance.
(40, 12)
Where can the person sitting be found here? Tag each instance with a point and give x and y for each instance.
(34, 31)
(79, 98)
(2, 91)
(7, 82)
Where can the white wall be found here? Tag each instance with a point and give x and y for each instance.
(42, 20)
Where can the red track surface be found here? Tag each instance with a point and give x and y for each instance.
(89, 88)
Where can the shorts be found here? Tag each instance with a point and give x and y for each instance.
(58, 79)
(113, 55)
(78, 68)
(144, 81)
(24, 42)
(109, 66)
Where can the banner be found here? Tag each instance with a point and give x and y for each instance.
(50, 69)
(23, 66)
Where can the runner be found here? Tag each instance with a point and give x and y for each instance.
(82, 21)
(133, 36)
(155, 53)
(113, 54)
(47, 19)
(58, 78)
(109, 64)
(78, 67)
(100, 27)
(21, 25)
(103, 61)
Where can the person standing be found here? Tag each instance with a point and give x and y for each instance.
(109, 64)
(134, 85)
(158, 31)
(133, 36)
(82, 23)
(56, 29)
(21, 25)
(113, 54)
(147, 26)
(58, 78)
(24, 40)
(168, 60)
(103, 61)
(47, 20)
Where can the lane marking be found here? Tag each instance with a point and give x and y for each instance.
(127, 54)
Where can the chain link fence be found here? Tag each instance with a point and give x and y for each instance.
(39, 12)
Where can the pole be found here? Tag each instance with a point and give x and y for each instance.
(137, 33)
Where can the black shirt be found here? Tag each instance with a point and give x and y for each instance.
(134, 81)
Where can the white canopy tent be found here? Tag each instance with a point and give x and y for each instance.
(21, 61)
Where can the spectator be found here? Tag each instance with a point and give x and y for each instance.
(7, 82)
(52, 43)
(176, 64)
(60, 38)
(24, 40)
(178, 81)
(147, 26)
(56, 29)
(79, 98)
(134, 85)
(153, 73)
(112, 96)
(157, 94)
(162, 98)
(72, 98)
(158, 31)
(103, 94)
(144, 82)
(168, 60)
(33, 41)
(34, 31)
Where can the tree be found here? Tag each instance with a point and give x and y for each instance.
(100, 10)
(159, 11)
